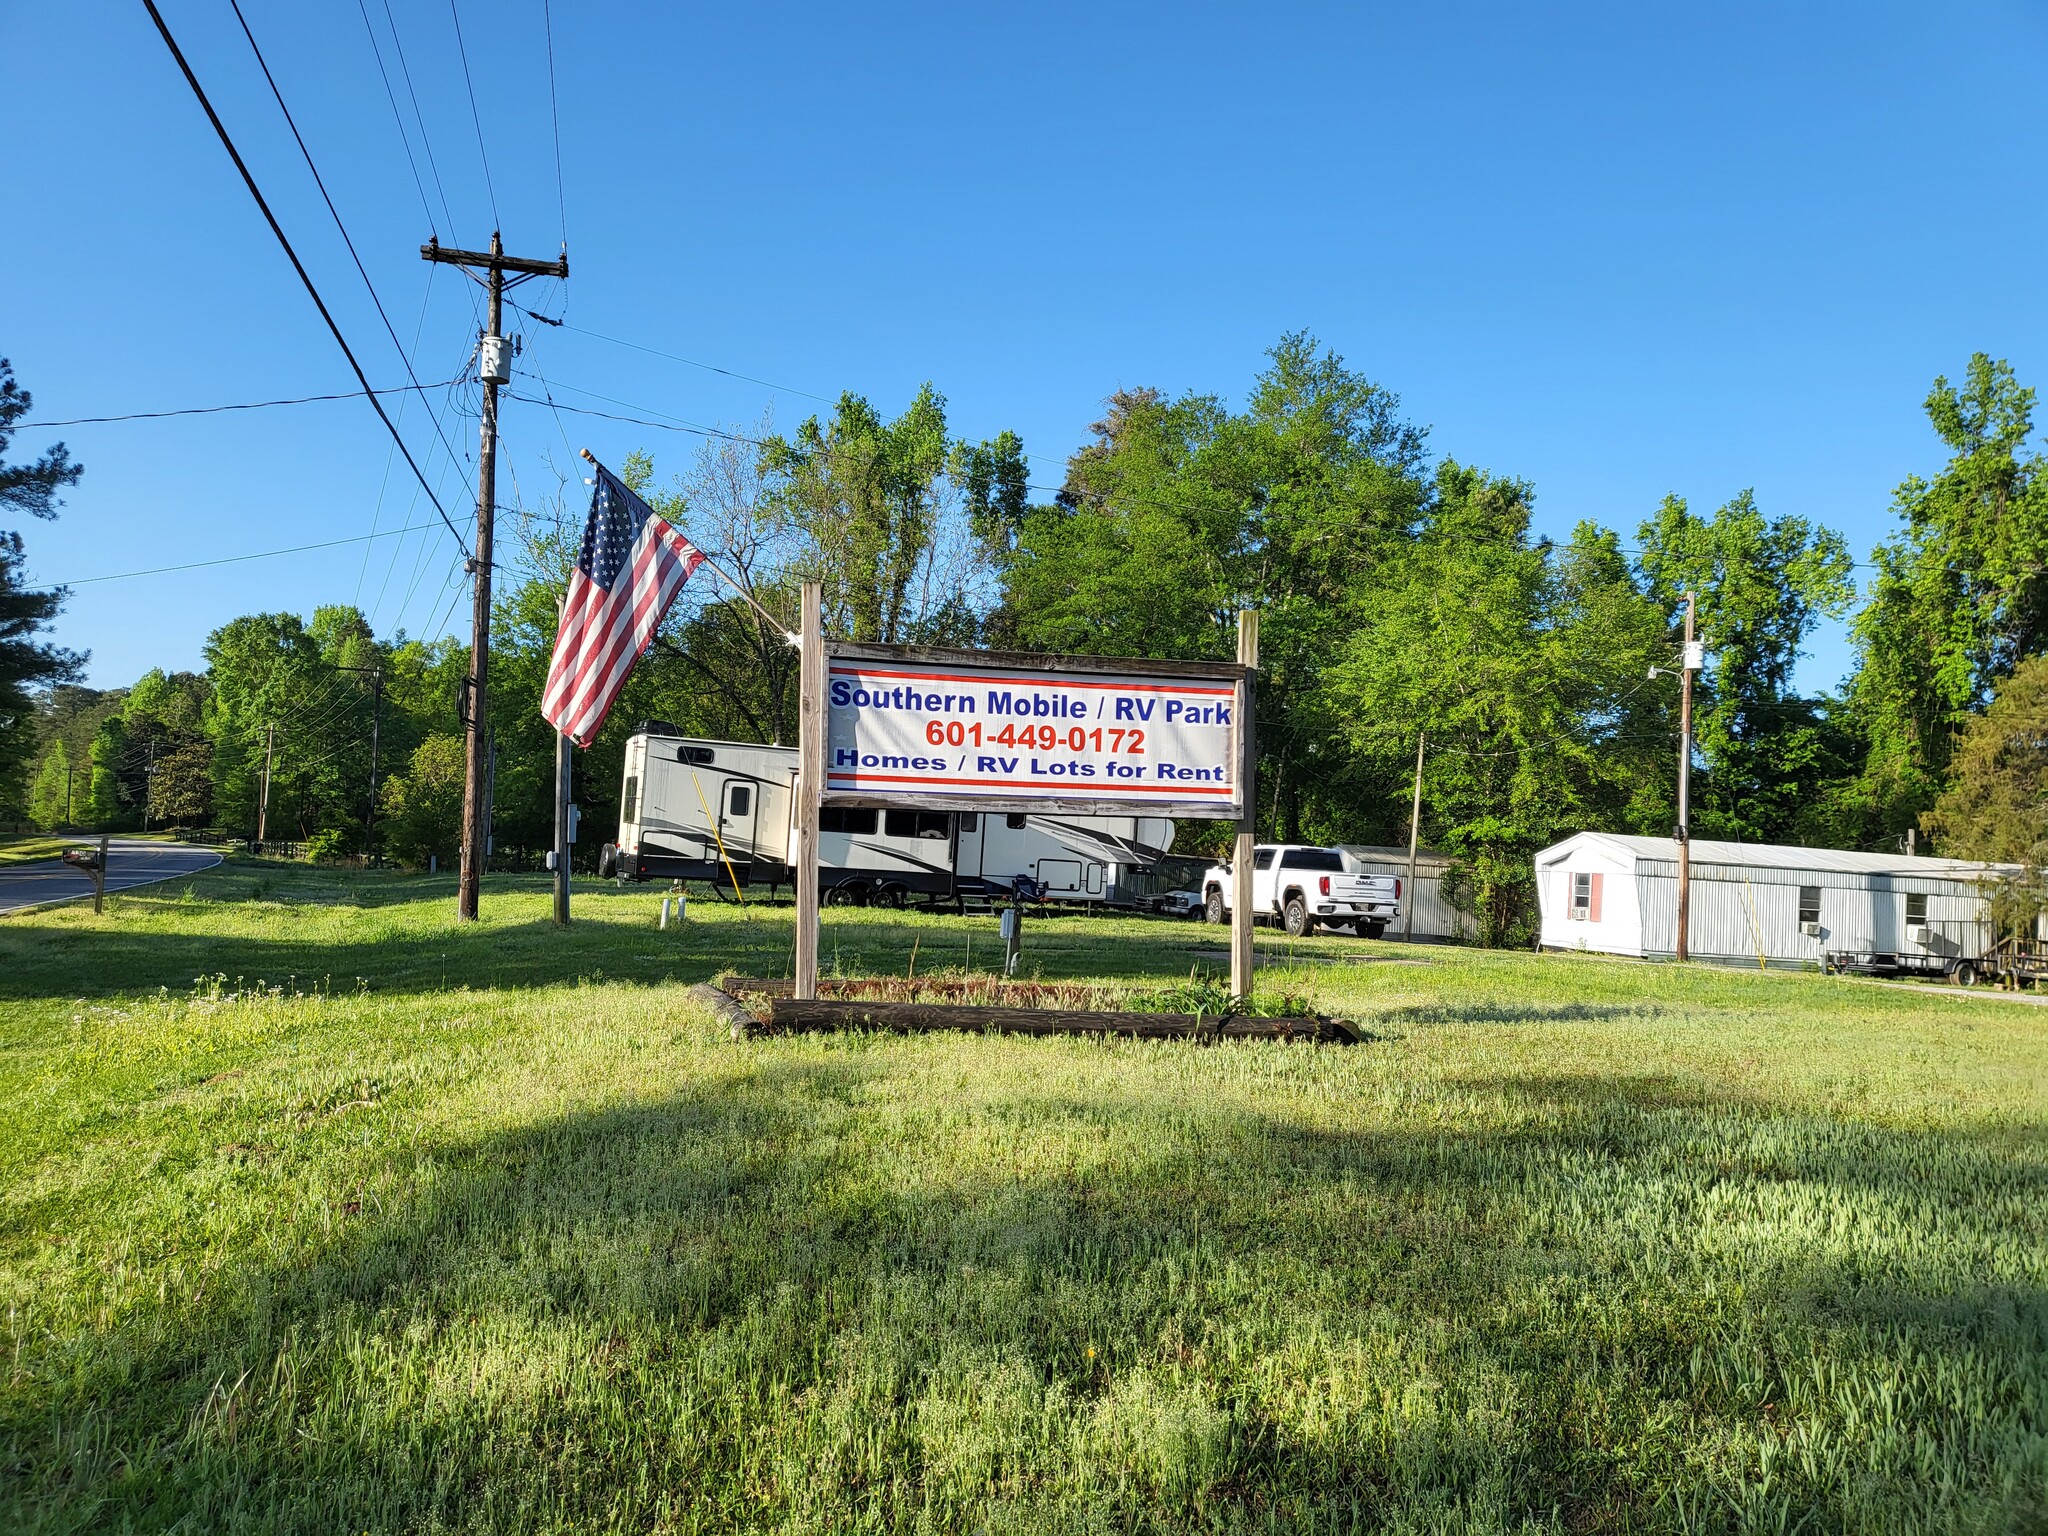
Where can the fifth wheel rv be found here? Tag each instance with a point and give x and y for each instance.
(723, 811)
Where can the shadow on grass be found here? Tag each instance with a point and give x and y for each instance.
(804, 1298)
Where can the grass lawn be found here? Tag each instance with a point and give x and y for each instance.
(31, 846)
(321, 1214)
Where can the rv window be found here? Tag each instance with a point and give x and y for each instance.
(1313, 858)
(1809, 904)
(970, 821)
(1916, 907)
(694, 755)
(1582, 896)
(859, 820)
(739, 799)
(630, 801)
(917, 824)
(1262, 858)
(1014, 822)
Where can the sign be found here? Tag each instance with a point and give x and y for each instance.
(962, 730)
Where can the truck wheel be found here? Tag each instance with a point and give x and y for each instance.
(1212, 910)
(1295, 917)
(1965, 973)
(1371, 930)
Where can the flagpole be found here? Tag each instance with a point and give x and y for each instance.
(563, 770)
(780, 627)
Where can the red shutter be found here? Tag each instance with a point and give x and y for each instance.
(1593, 902)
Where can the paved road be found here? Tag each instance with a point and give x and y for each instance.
(130, 862)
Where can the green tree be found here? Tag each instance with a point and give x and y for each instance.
(422, 808)
(1762, 585)
(1525, 665)
(49, 798)
(1996, 803)
(26, 663)
(1960, 597)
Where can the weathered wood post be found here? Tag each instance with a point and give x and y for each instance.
(810, 783)
(1241, 959)
(99, 879)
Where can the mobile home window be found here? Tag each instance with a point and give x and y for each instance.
(1809, 904)
(1582, 896)
(857, 819)
(630, 801)
(1916, 907)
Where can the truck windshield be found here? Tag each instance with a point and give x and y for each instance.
(1312, 858)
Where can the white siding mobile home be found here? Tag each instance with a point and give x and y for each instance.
(1758, 904)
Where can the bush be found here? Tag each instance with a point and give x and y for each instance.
(328, 847)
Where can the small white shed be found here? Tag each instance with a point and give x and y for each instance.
(1757, 903)
(1436, 920)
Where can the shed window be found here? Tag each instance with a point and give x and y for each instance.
(1585, 906)
(1809, 904)
(857, 819)
(1916, 907)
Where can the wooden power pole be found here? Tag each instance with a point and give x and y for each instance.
(1688, 666)
(263, 805)
(494, 367)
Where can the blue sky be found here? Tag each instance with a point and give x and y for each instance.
(1612, 249)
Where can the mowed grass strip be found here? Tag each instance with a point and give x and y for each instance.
(323, 1214)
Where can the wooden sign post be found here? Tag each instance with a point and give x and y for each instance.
(1241, 957)
(810, 783)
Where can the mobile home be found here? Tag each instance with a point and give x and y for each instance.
(724, 811)
(1759, 904)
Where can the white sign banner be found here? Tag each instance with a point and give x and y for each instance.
(939, 734)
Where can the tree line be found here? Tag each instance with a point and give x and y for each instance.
(1405, 600)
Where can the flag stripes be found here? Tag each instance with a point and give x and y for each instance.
(632, 565)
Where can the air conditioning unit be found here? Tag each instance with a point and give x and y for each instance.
(1811, 930)
(1916, 933)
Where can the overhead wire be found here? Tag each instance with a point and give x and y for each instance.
(481, 153)
(398, 118)
(674, 357)
(384, 482)
(267, 554)
(312, 291)
(318, 181)
(215, 410)
(555, 115)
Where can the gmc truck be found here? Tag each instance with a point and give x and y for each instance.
(1304, 888)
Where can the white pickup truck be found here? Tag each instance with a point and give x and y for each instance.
(1305, 888)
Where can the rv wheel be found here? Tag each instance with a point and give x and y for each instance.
(1965, 974)
(891, 896)
(850, 895)
(607, 861)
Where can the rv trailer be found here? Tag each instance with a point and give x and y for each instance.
(724, 812)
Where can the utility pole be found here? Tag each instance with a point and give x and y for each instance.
(263, 805)
(1414, 836)
(494, 367)
(376, 677)
(1690, 665)
(148, 782)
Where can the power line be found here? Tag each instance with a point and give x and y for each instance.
(426, 143)
(665, 426)
(268, 554)
(674, 357)
(474, 117)
(335, 213)
(555, 113)
(277, 229)
(214, 410)
(398, 117)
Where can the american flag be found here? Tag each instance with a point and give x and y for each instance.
(633, 564)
